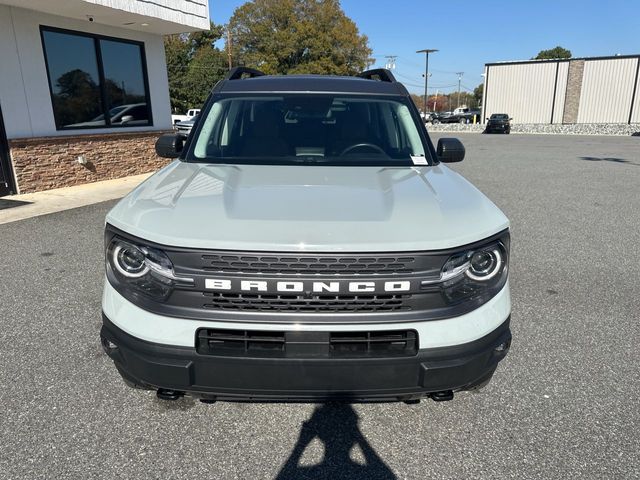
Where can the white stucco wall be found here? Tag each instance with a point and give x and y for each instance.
(194, 13)
(24, 90)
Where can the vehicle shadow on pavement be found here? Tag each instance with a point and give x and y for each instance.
(609, 159)
(4, 203)
(336, 426)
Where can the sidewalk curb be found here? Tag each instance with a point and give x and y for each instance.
(31, 205)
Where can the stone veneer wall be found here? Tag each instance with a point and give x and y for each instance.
(52, 162)
(574, 89)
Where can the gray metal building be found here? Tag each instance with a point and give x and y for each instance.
(576, 90)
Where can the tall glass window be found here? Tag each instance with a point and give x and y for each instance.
(95, 82)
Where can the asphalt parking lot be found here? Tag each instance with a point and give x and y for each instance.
(563, 405)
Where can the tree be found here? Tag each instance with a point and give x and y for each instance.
(557, 52)
(438, 103)
(194, 65)
(76, 98)
(207, 66)
(297, 36)
(478, 92)
(418, 100)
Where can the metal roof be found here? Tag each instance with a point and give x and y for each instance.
(551, 60)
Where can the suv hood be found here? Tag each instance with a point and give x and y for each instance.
(307, 208)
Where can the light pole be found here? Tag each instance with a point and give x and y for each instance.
(426, 51)
(459, 80)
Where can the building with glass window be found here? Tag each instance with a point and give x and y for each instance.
(83, 87)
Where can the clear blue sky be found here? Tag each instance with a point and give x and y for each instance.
(472, 33)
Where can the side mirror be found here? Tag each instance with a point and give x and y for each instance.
(487, 118)
(510, 119)
(126, 119)
(169, 146)
(450, 150)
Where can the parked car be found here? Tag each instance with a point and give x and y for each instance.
(308, 243)
(462, 115)
(498, 122)
(130, 114)
(191, 113)
(184, 128)
(437, 117)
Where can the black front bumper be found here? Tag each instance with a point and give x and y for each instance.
(497, 128)
(443, 369)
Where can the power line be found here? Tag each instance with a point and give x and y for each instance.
(402, 59)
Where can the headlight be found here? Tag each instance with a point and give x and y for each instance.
(485, 264)
(474, 274)
(129, 260)
(140, 269)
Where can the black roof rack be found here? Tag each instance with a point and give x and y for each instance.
(379, 74)
(239, 73)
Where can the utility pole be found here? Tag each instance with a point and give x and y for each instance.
(391, 62)
(229, 47)
(426, 51)
(460, 74)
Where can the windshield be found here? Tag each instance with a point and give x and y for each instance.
(316, 129)
(499, 116)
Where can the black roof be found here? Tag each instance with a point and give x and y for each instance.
(310, 83)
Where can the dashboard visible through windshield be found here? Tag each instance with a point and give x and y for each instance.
(321, 129)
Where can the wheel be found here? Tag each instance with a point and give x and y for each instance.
(436, 120)
(462, 120)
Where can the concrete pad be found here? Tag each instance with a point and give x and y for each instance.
(20, 207)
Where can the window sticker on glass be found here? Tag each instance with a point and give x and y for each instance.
(419, 160)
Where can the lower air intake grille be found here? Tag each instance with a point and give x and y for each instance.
(267, 344)
(243, 343)
(302, 303)
(373, 344)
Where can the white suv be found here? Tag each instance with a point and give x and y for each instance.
(308, 244)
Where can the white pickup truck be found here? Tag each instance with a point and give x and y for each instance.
(191, 113)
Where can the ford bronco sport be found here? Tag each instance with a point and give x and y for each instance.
(307, 244)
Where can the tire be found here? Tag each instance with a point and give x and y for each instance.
(436, 121)
(462, 120)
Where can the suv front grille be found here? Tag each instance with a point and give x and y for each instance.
(309, 264)
(302, 303)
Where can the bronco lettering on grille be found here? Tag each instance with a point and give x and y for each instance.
(298, 286)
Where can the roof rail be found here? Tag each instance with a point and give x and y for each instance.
(239, 73)
(379, 74)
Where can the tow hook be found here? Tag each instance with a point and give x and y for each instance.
(166, 394)
(443, 396)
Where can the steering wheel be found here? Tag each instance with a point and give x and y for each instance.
(362, 145)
